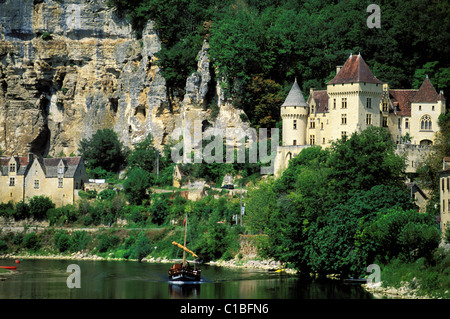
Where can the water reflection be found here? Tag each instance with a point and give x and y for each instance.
(38, 279)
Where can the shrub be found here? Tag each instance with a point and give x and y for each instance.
(62, 241)
(39, 205)
(107, 241)
(22, 211)
(31, 241)
(3, 246)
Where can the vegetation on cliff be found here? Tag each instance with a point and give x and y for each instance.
(276, 41)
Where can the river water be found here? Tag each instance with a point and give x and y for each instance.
(47, 279)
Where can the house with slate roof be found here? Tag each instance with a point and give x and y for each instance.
(23, 177)
(353, 101)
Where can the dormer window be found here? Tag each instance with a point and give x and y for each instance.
(12, 167)
(60, 170)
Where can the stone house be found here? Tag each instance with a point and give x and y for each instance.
(57, 178)
(444, 192)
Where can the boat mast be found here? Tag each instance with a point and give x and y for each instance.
(185, 231)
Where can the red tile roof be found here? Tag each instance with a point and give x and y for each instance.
(321, 99)
(426, 93)
(355, 70)
(401, 100)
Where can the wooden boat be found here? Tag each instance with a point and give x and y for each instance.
(184, 272)
(9, 267)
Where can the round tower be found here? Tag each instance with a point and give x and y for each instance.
(294, 113)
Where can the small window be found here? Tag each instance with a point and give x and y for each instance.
(12, 167)
(334, 103)
(420, 107)
(385, 121)
(343, 134)
(399, 123)
(12, 181)
(369, 119)
(323, 140)
(432, 107)
(36, 184)
(312, 123)
(344, 102)
(369, 103)
(294, 142)
(312, 140)
(344, 119)
(295, 125)
(406, 123)
(61, 170)
(60, 183)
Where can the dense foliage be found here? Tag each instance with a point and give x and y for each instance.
(339, 209)
(103, 151)
(279, 40)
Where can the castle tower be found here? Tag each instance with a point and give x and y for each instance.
(294, 113)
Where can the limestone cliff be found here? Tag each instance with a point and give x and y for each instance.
(70, 67)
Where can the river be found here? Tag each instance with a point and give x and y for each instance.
(47, 279)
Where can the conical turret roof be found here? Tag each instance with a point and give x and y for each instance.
(295, 97)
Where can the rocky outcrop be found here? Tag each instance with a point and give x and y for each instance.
(71, 67)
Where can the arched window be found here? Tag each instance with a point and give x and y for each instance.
(425, 123)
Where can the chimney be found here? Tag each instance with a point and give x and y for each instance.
(30, 158)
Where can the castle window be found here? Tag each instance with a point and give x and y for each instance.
(60, 183)
(343, 134)
(369, 103)
(425, 123)
(312, 140)
(312, 108)
(321, 126)
(385, 121)
(36, 184)
(12, 167)
(294, 142)
(12, 181)
(420, 107)
(344, 119)
(385, 106)
(295, 125)
(344, 102)
(61, 170)
(432, 107)
(323, 140)
(334, 103)
(399, 123)
(369, 119)
(406, 123)
(312, 123)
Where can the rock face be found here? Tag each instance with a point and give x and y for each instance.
(71, 67)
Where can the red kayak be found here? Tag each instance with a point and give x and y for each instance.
(9, 267)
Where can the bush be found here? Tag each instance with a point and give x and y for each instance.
(3, 246)
(31, 241)
(39, 205)
(106, 242)
(62, 241)
(22, 211)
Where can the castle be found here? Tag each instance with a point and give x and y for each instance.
(353, 101)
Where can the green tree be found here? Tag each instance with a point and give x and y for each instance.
(364, 160)
(103, 150)
(22, 211)
(39, 205)
(137, 184)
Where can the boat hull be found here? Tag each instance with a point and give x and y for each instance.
(177, 273)
(9, 267)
